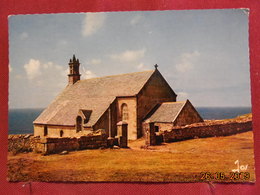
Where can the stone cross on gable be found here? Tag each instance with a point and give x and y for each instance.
(156, 66)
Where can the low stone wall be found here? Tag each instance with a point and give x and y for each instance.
(201, 130)
(28, 143)
(57, 145)
(21, 143)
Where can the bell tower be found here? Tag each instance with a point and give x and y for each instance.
(73, 75)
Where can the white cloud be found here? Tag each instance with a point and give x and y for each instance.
(10, 68)
(65, 72)
(24, 35)
(47, 65)
(142, 67)
(129, 55)
(94, 61)
(58, 67)
(182, 96)
(92, 23)
(87, 74)
(49, 77)
(46, 80)
(187, 61)
(136, 19)
(32, 68)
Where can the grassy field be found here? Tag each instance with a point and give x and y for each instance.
(180, 161)
(187, 161)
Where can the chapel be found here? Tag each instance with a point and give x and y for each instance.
(88, 105)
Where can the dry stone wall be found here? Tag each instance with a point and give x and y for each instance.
(21, 143)
(28, 143)
(201, 130)
(209, 128)
(57, 145)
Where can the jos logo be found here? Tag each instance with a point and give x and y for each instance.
(239, 167)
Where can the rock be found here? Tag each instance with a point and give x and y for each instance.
(102, 148)
(64, 152)
(116, 147)
(27, 136)
(144, 147)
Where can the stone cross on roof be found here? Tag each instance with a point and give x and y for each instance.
(156, 66)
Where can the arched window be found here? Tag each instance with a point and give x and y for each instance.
(156, 128)
(78, 124)
(124, 112)
(61, 133)
(45, 131)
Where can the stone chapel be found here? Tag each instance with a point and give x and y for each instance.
(100, 103)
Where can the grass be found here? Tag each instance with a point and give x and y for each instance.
(173, 162)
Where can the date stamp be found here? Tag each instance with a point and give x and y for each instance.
(221, 176)
(238, 174)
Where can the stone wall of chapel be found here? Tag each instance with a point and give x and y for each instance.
(187, 116)
(132, 115)
(155, 91)
(54, 131)
(103, 122)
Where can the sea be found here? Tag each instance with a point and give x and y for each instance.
(20, 121)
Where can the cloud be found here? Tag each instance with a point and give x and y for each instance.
(32, 68)
(10, 68)
(51, 65)
(129, 55)
(65, 72)
(94, 61)
(142, 67)
(92, 23)
(87, 74)
(47, 65)
(187, 61)
(136, 19)
(24, 36)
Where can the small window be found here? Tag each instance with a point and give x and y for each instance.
(156, 128)
(61, 133)
(45, 131)
(78, 124)
(124, 111)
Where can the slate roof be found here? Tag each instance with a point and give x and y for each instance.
(167, 112)
(91, 94)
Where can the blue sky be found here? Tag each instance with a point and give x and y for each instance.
(203, 54)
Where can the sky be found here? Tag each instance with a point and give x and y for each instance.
(203, 54)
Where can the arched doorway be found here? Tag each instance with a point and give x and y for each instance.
(78, 124)
(61, 133)
(45, 130)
